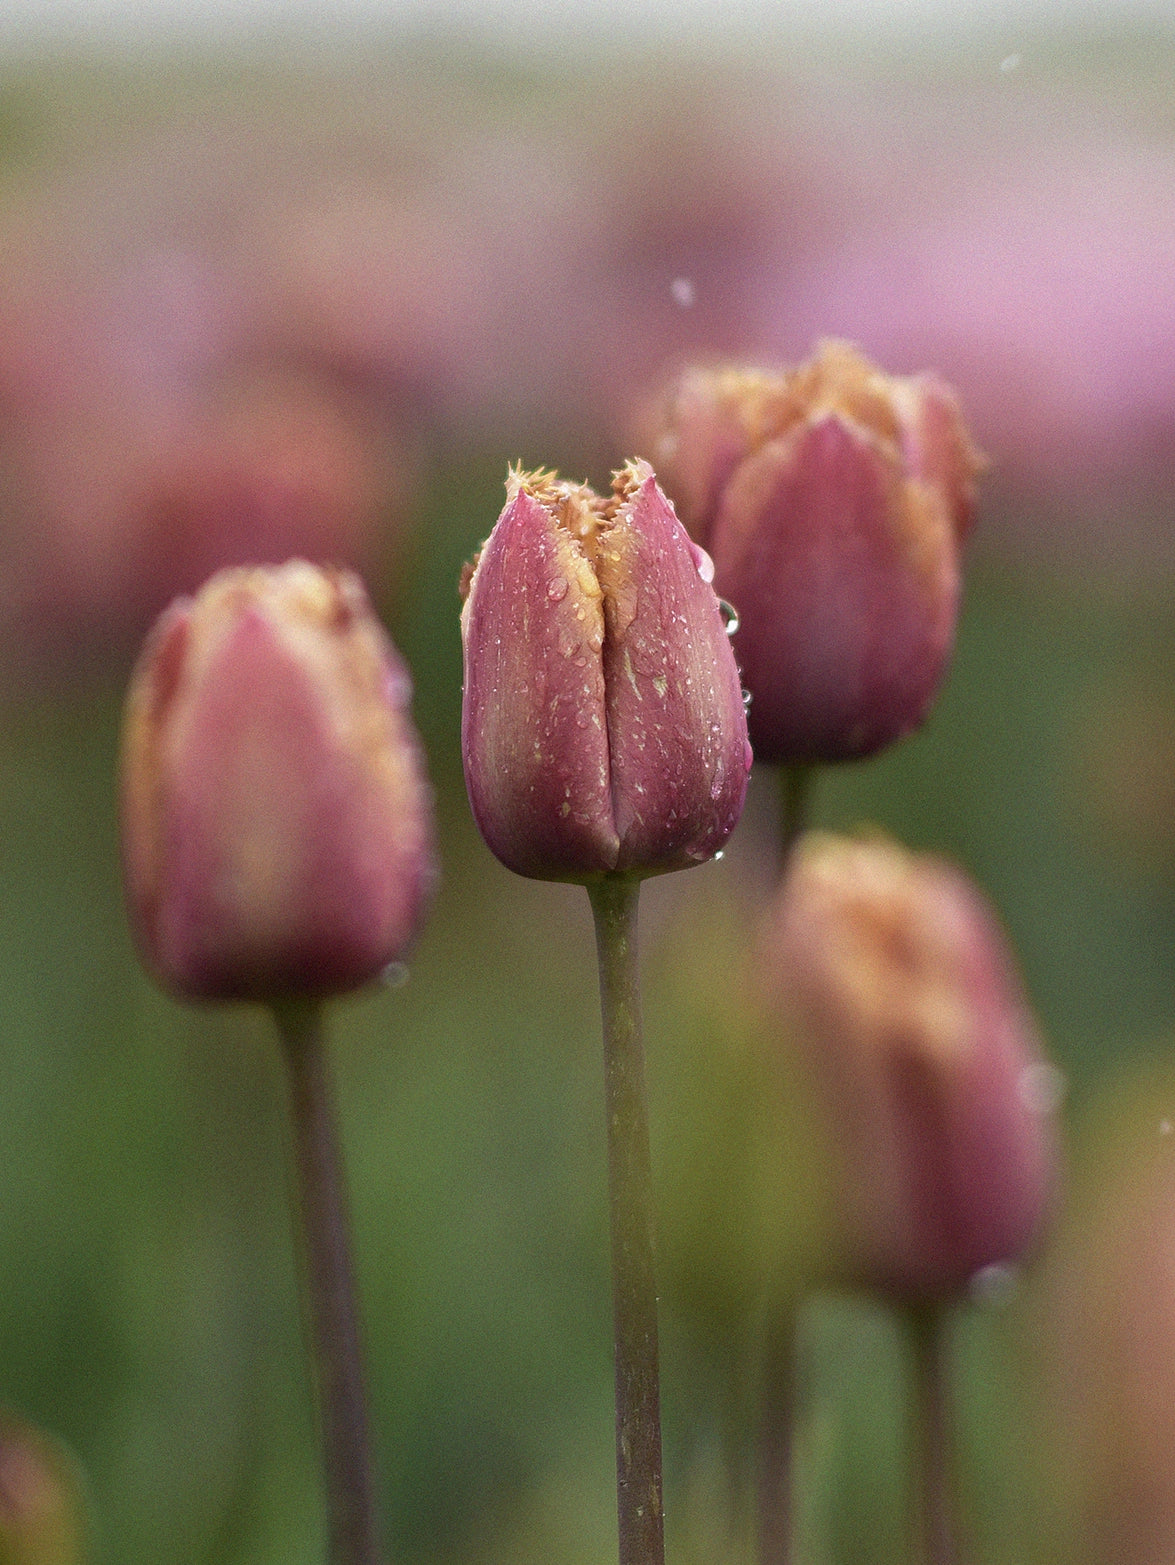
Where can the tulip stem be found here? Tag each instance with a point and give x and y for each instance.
(634, 1290)
(795, 788)
(332, 1324)
(935, 1528)
(775, 1439)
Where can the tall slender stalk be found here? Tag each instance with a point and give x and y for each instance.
(352, 1519)
(634, 1289)
(776, 1433)
(935, 1533)
(776, 1437)
(795, 787)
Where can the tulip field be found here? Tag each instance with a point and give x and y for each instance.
(588, 787)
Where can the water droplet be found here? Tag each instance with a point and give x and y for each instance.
(747, 699)
(995, 1285)
(720, 855)
(557, 588)
(683, 292)
(729, 616)
(394, 975)
(1164, 1127)
(1041, 1087)
(703, 562)
(718, 782)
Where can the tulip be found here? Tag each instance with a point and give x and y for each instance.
(277, 847)
(276, 822)
(604, 739)
(834, 500)
(889, 974)
(42, 1508)
(603, 727)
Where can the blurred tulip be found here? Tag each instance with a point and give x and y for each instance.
(834, 500)
(42, 1514)
(603, 720)
(891, 978)
(1102, 1325)
(276, 820)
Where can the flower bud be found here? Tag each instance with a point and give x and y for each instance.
(834, 500)
(42, 1512)
(892, 979)
(603, 725)
(276, 820)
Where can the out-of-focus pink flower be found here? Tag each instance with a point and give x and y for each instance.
(603, 726)
(1102, 1318)
(834, 500)
(1030, 257)
(276, 821)
(42, 1514)
(887, 971)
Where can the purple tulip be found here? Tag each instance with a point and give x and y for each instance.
(889, 974)
(603, 725)
(834, 500)
(277, 834)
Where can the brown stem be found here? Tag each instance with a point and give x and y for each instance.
(775, 1439)
(935, 1531)
(795, 786)
(352, 1519)
(634, 1289)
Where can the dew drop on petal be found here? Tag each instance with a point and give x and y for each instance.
(557, 589)
(729, 616)
(703, 562)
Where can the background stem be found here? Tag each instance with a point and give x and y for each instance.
(634, 1289)
(935, 1537)
(795, 790)
(352, 1520)
(776, 1434)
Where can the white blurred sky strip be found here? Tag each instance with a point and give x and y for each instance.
(546, 23)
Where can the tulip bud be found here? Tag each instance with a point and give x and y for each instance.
(603, 725)
(276, 821)
(834, 500)
(890, 975)
(42, 1514)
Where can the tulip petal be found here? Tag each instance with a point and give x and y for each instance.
(534, 734)
(675, 713)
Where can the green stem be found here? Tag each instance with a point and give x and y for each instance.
(935, 1532)
(775, 1440)
(775, 1437)
(634, 1289)
(352, 1520)
(795, 787)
